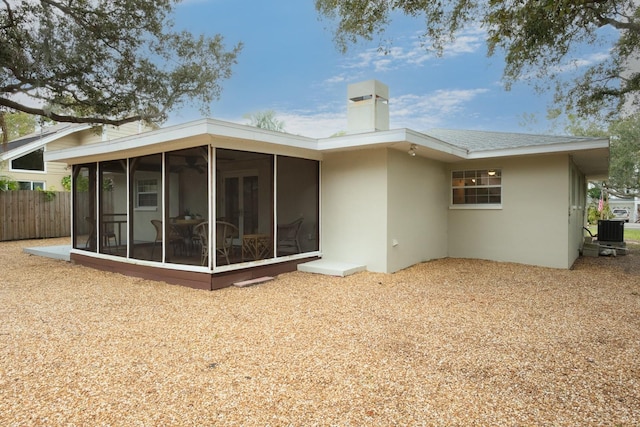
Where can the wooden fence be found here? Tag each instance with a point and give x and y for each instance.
(26, 214)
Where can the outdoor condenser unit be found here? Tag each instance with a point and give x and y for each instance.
(610, 231)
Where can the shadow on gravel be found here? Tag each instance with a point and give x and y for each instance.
(626, 264)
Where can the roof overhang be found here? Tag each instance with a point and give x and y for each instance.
(399, 139)
(193, 134)
(591, 156)
(41, 142)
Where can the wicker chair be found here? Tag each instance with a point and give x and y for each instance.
(201, 234)
(107, 235)
(174, 238)
(225, 232)
(288, 237)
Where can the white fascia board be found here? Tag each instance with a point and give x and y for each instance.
(361, 140)
(205, 131)
(422, 140)
(196, 131)
(38, 143)
(388, 138)
(140, 140)
(541, 149)
(218, 128)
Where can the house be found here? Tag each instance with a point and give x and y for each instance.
(23, 158)
(375, 198)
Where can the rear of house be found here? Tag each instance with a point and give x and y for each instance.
(388, 210)
(374, 198)
(392, 198)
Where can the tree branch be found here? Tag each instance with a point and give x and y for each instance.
(12, 21)
(629, 26)
(70, 119)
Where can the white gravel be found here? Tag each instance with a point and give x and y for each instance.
(450, 342)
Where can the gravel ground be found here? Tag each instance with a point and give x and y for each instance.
(447, 342)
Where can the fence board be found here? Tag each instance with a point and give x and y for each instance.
(26, 214)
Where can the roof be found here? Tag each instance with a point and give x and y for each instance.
(25, 144)
(475, 140)
(449, 146)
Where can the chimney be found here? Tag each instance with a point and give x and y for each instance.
(368, 107)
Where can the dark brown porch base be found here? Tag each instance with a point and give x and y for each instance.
(204, 281)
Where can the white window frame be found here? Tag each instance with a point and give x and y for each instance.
(44, 164)
(43, 185)
(481, 178)
(139, 193)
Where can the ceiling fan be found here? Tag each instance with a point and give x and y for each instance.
(191, 162)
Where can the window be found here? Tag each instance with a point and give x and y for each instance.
(33, 161)
(476, 187)
(147, 193)
(31, 185)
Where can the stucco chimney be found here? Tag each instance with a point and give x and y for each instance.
(367, 107)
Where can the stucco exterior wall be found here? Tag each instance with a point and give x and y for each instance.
(417, 210)
(354, 208)
(531, 227)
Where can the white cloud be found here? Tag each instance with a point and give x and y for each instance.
(569, 66)
(467, 41)
(420, 112)
(585, 61)
(415, 52)
(335, 79)
(315, 125)
(414, 111)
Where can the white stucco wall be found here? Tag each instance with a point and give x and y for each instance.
(417, 210)
(531, 227)
(354, 208)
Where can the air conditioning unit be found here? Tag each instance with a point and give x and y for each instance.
(610, 231)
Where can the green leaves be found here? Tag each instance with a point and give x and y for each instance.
(108, 62)
(541, 40)
(265, 120)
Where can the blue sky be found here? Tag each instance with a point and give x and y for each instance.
(291, 65)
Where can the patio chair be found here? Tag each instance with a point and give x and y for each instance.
(107, 235)
(92, 232)
(288, 237)
(225, 232)
(174, 238)
(201, 231)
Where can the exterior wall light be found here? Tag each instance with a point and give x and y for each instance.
(412, 150)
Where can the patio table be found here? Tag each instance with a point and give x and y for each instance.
(185, 227)
(255, 246)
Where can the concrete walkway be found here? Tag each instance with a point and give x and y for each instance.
(320, 266)
(55, 252)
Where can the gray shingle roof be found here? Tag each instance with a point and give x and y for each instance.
(474, 140)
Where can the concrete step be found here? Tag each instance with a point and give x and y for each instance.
(331, 268)
(252, 282)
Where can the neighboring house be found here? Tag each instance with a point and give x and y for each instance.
(374, 199)
(23, 158)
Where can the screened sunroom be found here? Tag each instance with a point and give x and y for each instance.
(204, 215)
